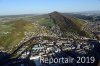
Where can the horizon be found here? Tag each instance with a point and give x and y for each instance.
(48, 13)
(20, 7)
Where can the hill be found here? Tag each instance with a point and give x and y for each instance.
(69, 24)
(16, 31)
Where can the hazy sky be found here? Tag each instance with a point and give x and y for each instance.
(9, 7)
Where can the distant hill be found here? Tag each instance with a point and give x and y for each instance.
(90, 13)
(14, 16)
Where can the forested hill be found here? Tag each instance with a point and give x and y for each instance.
(69, 24)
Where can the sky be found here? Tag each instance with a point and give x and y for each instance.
(13, 7)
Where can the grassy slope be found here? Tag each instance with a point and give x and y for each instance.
(16, 30)
(79, 23)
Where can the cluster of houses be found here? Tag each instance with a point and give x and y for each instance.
(50, 48)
